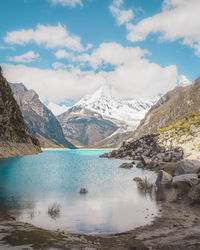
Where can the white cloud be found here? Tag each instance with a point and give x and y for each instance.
(132, 75)
(70, 3)
(179, 19)
(54, 85)
(49, 36)
(59, 65)
(60, 54)
(121, 16)
(28, 57)
(57, 109)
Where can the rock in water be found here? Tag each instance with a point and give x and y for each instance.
(83, 191)
(126, 165)
(163, 178)
(15, 138)
(137, 179)
(191, 179)
(187, 167)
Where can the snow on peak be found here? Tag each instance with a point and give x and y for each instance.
(183, 81)
(129, 111)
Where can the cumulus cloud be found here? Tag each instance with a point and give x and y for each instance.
(178, 20)
(129, 74)
(49, 36)
(57, 109)
(28, 57)
(70, 3)
(60, 54)
(54, 85)
(121, 16)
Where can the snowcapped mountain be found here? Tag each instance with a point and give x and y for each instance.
(129, 112)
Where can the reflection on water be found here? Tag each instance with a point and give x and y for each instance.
(30, 185)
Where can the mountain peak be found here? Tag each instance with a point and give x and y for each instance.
(129, 111)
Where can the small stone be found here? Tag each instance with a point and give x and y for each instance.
(65, 232)
(126, 165)
(137, 179)
(83, 191)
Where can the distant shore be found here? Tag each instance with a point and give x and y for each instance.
(63, 149)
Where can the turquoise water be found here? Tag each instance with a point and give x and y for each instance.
(29, 185)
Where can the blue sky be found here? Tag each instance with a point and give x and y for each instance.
(65, 49)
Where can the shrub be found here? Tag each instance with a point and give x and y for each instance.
(54, 210)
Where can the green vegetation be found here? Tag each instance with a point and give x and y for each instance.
(183, 124)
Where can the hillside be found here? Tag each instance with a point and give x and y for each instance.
(185, 134)
(171, 107)
(39, 119)
(15, 138)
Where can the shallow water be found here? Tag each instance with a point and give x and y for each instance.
(29, 185)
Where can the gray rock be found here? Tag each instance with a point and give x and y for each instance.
(140, 165)
(187, 167)
(137, 179)
(146, 160)
(126, 165)
(163, 178)
(191, 179)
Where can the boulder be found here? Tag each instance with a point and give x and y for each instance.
(191, 179)
(169, 167)
(163, 178)
(140, 165)
(126, 165)
(146, 160)
(187, 167)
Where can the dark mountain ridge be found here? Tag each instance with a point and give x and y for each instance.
(15, 138)
(39, 119)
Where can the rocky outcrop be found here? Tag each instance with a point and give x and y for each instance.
(84, 127)
(171, 107)
(148, 152)
(15, 138)
(39, 119)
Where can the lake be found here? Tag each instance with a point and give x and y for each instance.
(30, 185)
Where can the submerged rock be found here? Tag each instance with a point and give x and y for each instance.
(163, 178)
(187, 167)
(126, 165)
(191, 179)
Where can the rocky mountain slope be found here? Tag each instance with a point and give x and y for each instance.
(170, 108)
(39, 119)
(15, 138)
(85, 127)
